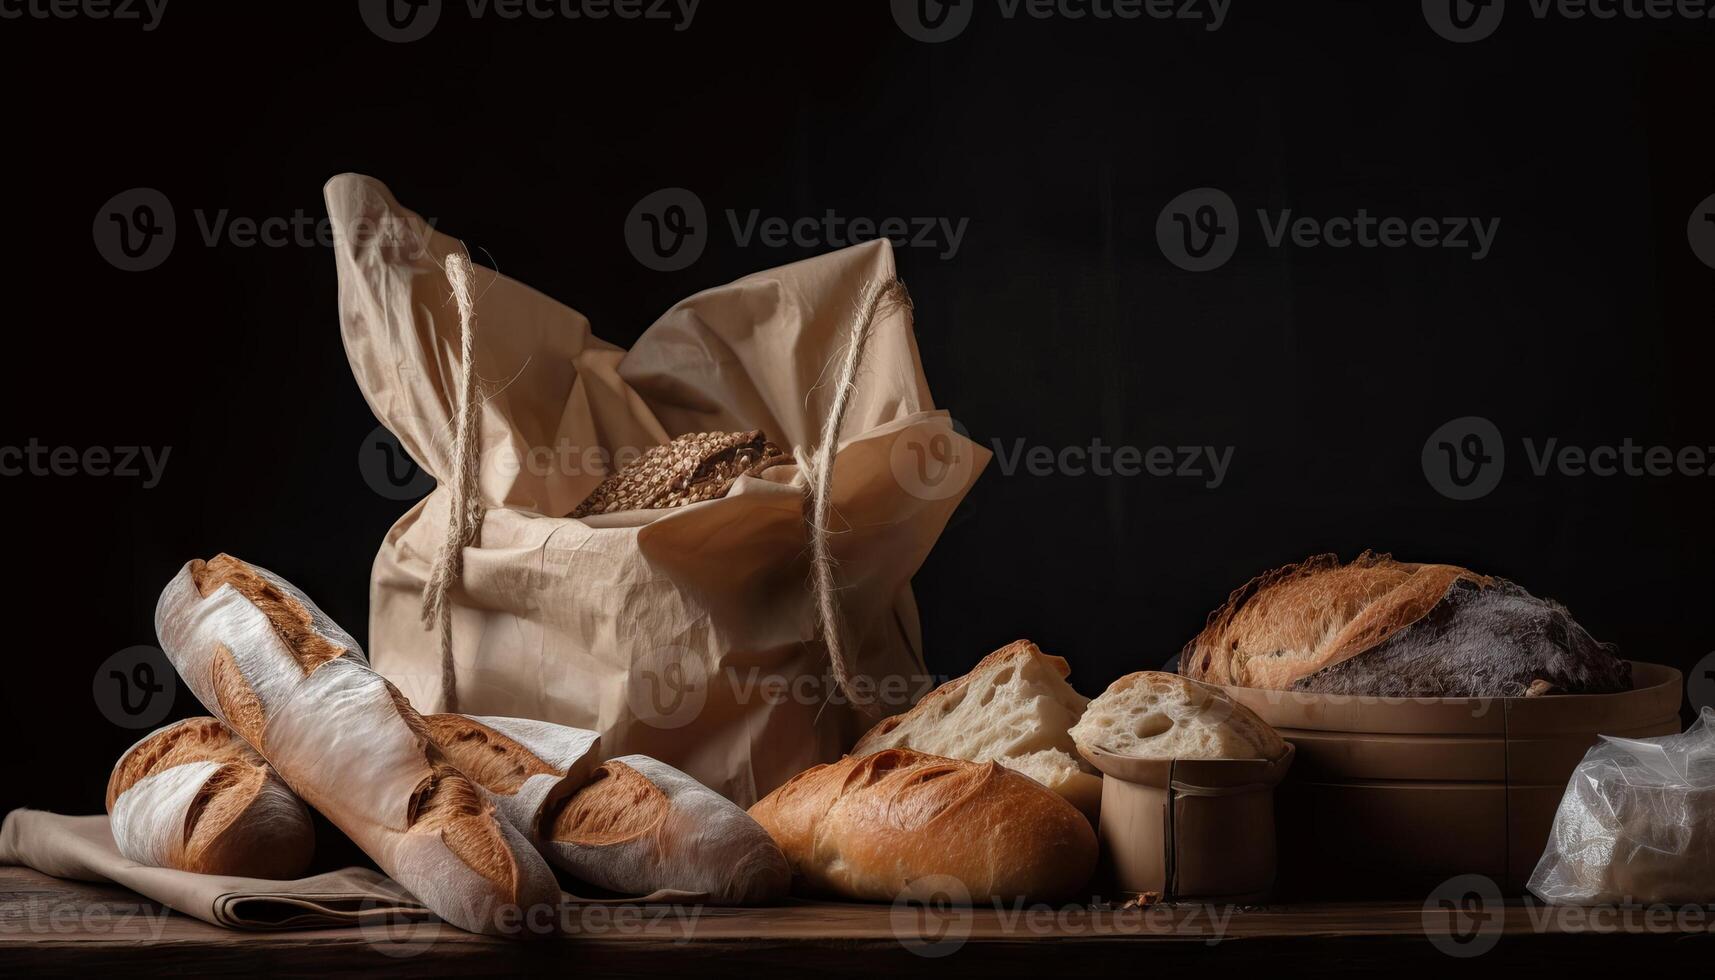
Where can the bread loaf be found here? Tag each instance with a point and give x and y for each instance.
(632, 825)
(866, 827)
(640, 825)
(290, 682)
(1395, 629)
(1152, 715)
(1015, 708)
(194, 797)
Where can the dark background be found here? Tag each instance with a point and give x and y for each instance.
(1059, 321)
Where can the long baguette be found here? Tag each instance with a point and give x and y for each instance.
(262, 658)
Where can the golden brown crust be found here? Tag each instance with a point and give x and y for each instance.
(447, 804)
(1298, 619)
(291, 621)
(238, 703)
(192, 740)
(492, 760)
(937, 699)
(618, 804)
(868, 826)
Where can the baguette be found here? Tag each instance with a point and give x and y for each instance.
(1014, 707)
(1152, 715)
(194, 797)
(633, 825)
(867, 827)
(283, 676)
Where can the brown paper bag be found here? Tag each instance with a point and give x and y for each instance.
(688, 634)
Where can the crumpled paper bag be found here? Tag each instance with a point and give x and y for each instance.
(689, 634)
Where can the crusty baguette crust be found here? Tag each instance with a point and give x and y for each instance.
(1298, 619)
(641, 826)
(867, 827)
(223, 811)
(616, 806)
(493, 760)
(297, 689)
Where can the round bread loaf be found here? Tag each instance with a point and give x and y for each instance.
(867, 827)
(1384, 628)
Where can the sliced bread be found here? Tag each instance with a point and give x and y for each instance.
(1014, 708)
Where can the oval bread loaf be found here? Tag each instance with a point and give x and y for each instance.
(194, 797)
(1155, 715)
(260, 656)
(867, 827)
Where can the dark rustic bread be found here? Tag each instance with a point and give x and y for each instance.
(1397, 629)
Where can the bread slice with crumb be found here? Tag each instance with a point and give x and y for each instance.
(1015, 707)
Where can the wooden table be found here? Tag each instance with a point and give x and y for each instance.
(62, 927)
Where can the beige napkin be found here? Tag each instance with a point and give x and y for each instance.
(81, 848)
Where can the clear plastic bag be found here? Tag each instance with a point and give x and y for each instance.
(1637, 824)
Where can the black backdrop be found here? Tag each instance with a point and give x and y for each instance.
(1058, 321)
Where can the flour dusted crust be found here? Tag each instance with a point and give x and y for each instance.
(1014, 707)
(1155, 715)
(633, 825)
(194, 797)
(868, 827)
(1381, 627)
(295, 686)
(641, 826)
